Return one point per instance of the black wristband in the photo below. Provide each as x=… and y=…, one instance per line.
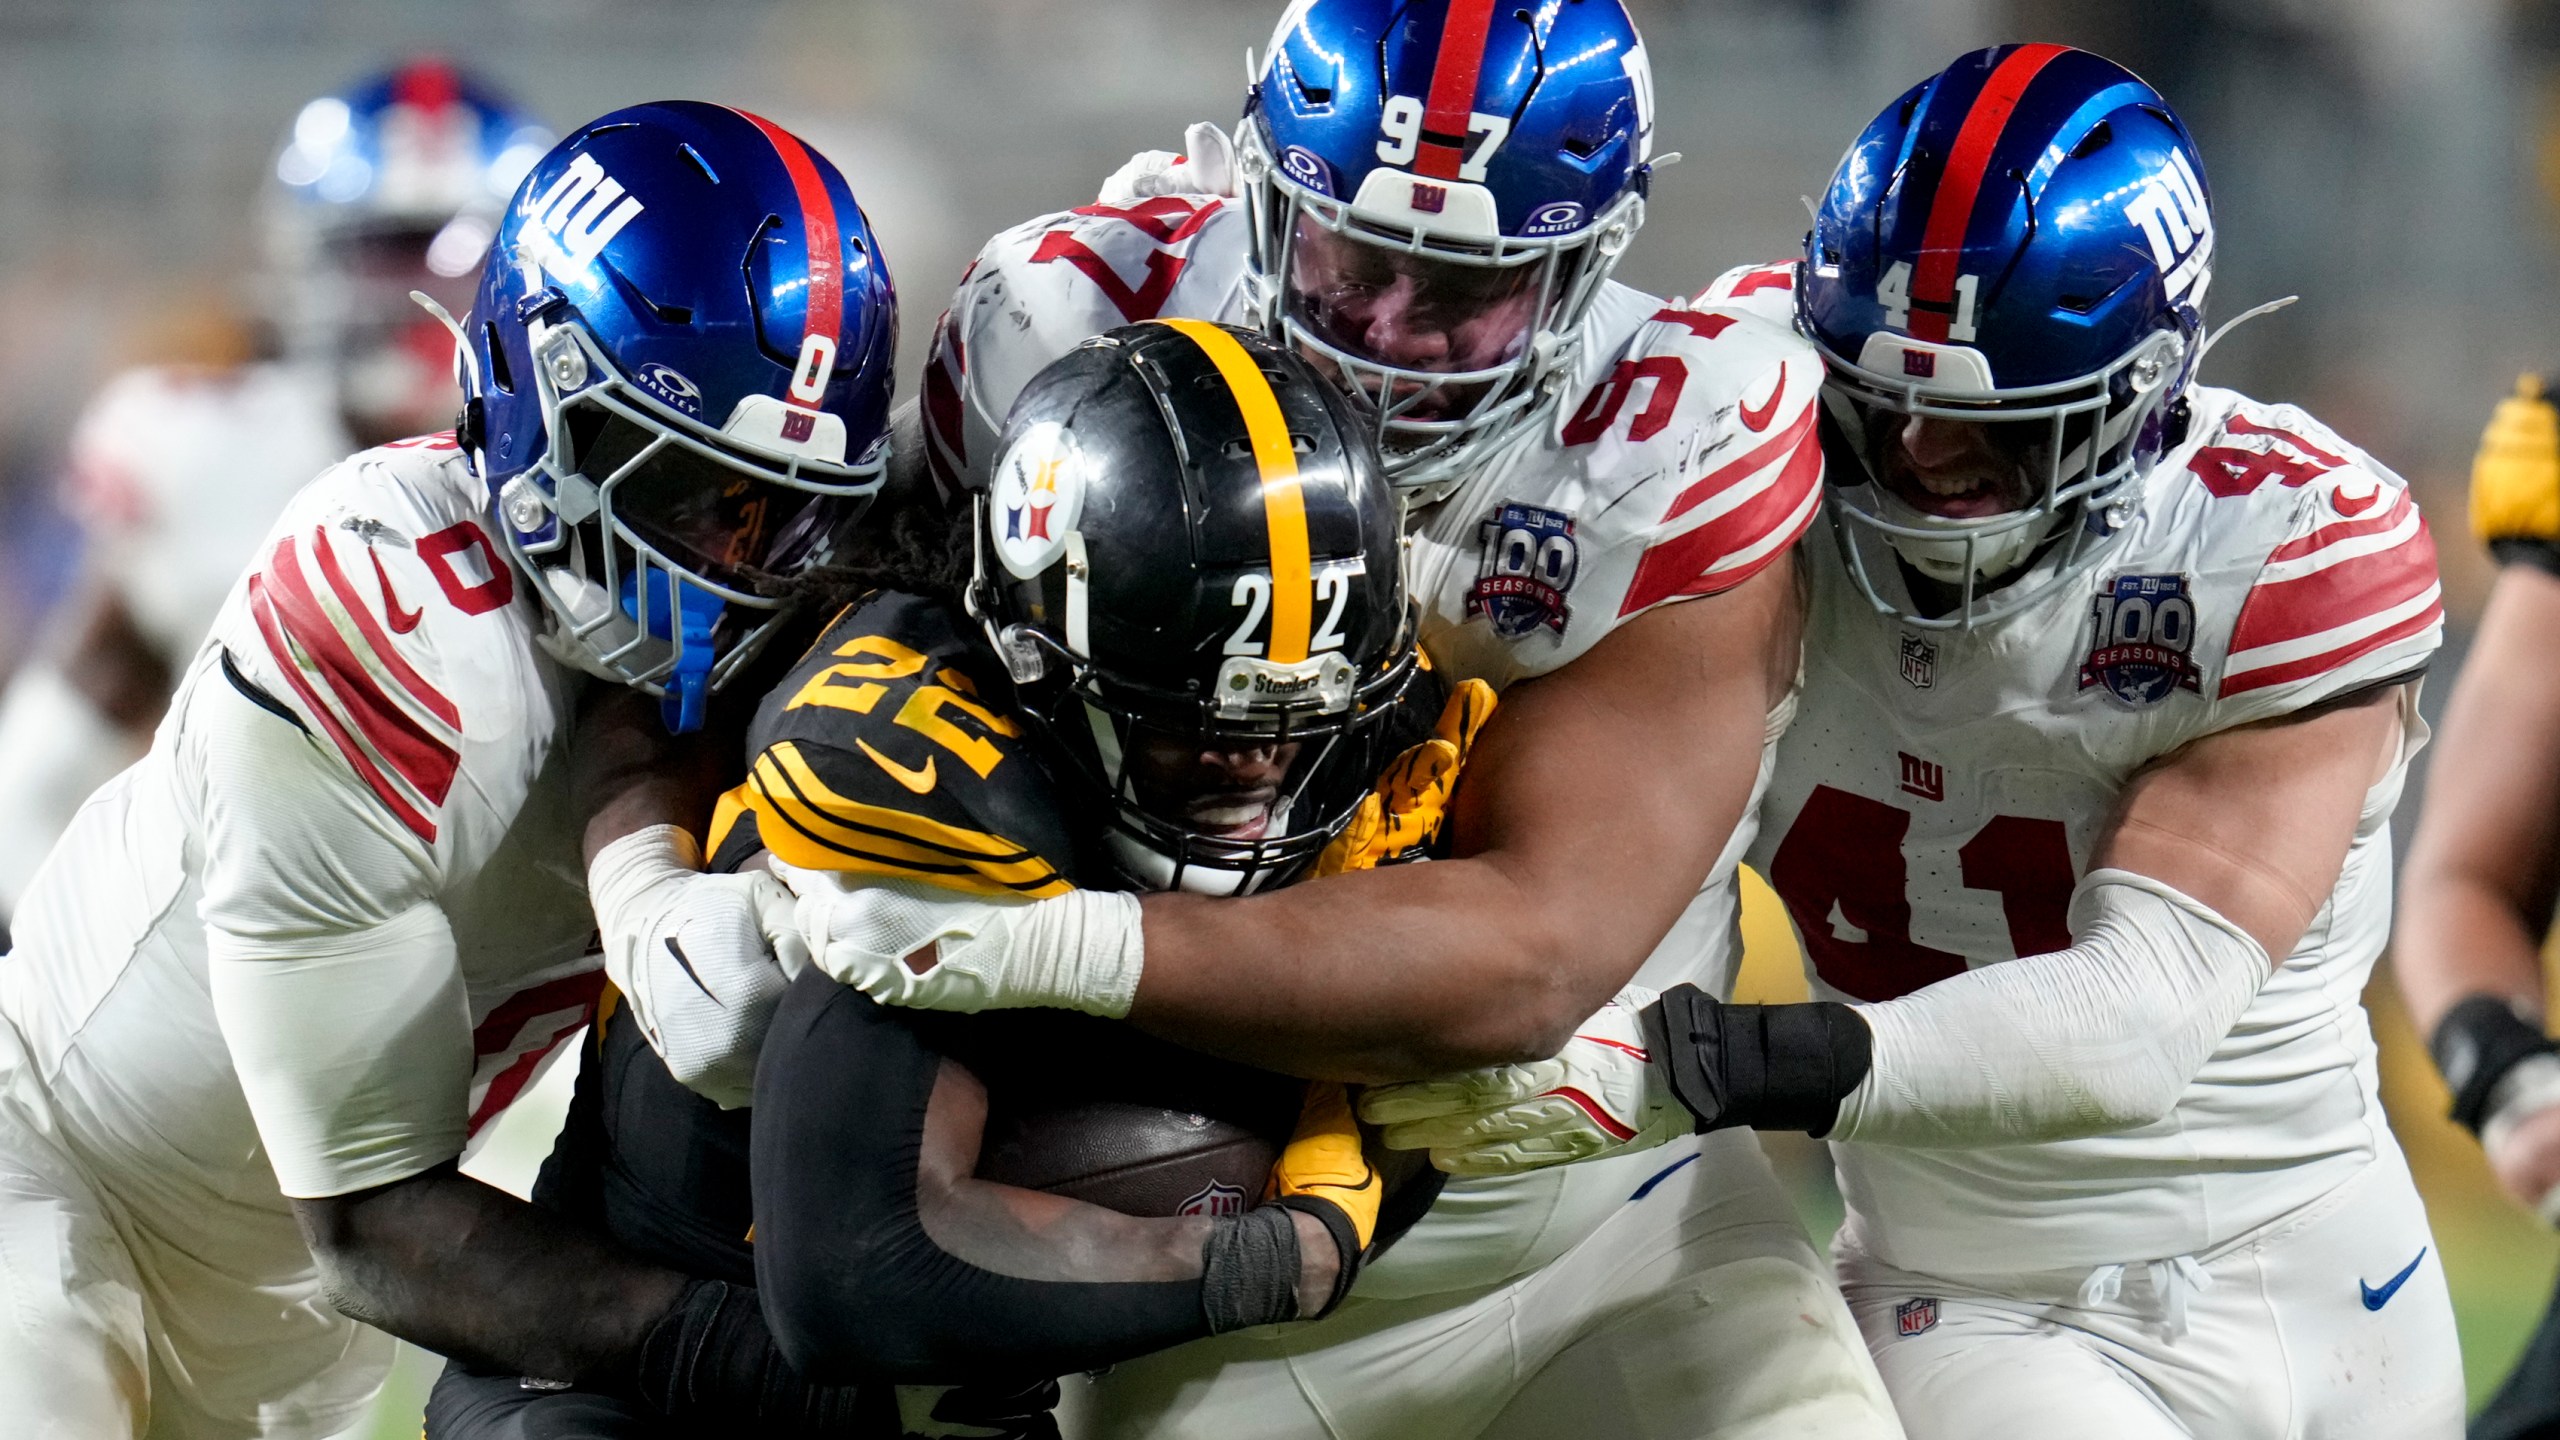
x=1249, y=1270
x=1346, y=1244
x=1770, y=1067
x=710, y=1358
x=2474, y=1046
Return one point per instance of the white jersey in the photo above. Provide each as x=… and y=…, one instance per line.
x=1941, y=792
x=360, y=775
x=1681, y=461
x=176, y=473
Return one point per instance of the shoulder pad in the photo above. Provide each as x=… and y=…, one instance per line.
x=1041, y=288
x=1704, y=430
x=358, y=591
x=891, y=749
x=1768, y=291
x=2515, y=477
x=2339, y=566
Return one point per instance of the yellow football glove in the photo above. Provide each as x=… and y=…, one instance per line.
x=2515, y=479
x=1324, y=1161
x=1406, y=808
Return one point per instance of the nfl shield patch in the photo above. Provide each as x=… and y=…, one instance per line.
x=1214, y=1199
x=1919, y=662
x=1917, y=1316
x=2140, y=630
x=1528, y=564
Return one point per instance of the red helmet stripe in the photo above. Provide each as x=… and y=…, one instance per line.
x=818, y=222
x=1453, y=87
x=1933, y=280
x=426, y=83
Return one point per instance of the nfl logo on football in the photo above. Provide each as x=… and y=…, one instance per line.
x=1916, y=1316
x=1919, y=662
x=1213, y=1200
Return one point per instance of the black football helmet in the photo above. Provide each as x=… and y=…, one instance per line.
x=1190, y=558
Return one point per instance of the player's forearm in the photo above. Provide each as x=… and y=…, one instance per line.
x=469, y=1271
x=1385, y=975
x=629, y=773
x=2460, y=935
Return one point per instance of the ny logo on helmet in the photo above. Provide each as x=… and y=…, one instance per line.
x=576, y=217
x=2173, y=217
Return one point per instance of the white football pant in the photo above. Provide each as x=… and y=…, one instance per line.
x=2328, y=1323
x=1696, y=1311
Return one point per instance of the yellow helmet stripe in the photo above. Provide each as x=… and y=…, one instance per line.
x=1284, y=509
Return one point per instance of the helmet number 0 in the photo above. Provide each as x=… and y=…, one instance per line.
x=817, y=362
x=1893, y=292
x=1401, y=124
x=1252, y=594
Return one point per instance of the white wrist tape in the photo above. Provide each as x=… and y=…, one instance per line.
x=2101, y=1037
x=2525, y=1091
x=1079, y=951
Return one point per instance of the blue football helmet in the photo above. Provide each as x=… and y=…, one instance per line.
x=679, y=371
x=1439, y=189
x=392, y=184
x=2019, y=245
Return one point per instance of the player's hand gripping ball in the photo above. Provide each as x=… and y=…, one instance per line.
x=1600, y=1095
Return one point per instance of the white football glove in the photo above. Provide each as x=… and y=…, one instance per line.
x=1077, y=951
x=1598, y=1096
x=1207, y=167
x=701, y=960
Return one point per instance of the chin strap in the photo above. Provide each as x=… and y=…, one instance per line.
x=697, y=612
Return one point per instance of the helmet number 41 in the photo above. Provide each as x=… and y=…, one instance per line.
x=1893, y=292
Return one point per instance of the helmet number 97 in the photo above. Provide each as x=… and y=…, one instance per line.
x=1252, y=594
x=1401, y=124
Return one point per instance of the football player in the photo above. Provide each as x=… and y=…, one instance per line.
x=278, y=971
x=2084, y=823
x=1601, y=494
x=2477, y=899
x=391, y=185
x=1100, y=725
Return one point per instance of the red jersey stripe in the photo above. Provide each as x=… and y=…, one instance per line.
x=2355, y=589
x=818, y=223
x=1454, y=72
x=2328, y=535
x=262, y=609
x=429, y=698
x=574, y=995
x=1715, y=481
x=1679, y=566
x=420, y=757
x=1933, y=279
x=2310, y=665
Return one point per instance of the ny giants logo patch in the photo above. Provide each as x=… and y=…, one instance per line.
x=2140, y=630
x=1916, y=1316
x=1528, y=564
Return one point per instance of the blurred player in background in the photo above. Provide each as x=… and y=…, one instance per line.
x=392, y=185
x=1602, y=491
x=277, y=972
x=2084, y=823
x=2484, y=868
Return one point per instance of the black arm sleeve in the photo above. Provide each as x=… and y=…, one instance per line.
x=853, y=1286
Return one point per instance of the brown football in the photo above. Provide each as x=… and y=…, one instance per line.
x=1136, y=1159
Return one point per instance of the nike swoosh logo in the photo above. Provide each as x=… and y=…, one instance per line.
x=1756, y=421
x=2352, y=506
x=2375, y=1297
x=678, y=951
x=918, y=782
x=402, y=622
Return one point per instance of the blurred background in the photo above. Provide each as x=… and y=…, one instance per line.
x=2396, y=163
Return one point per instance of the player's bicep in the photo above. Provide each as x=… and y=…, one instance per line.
x=2255, y=822
x=1636, y=762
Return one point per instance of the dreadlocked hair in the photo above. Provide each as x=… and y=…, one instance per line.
x=920, y=548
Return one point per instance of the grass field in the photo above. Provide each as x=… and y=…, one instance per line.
x=2499, y=1261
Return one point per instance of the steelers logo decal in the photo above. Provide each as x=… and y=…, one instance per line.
x=1038, y=494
